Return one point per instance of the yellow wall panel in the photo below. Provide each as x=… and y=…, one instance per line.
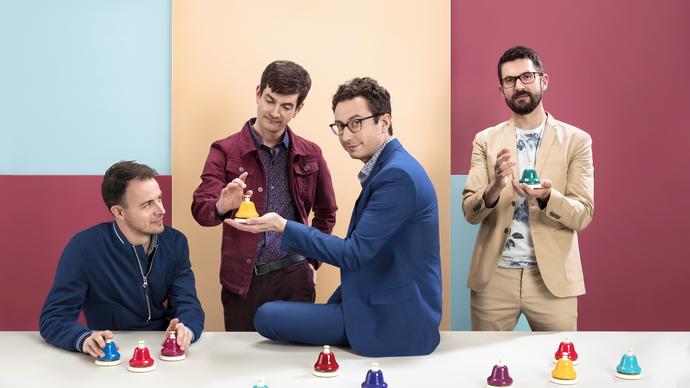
x=220, y=49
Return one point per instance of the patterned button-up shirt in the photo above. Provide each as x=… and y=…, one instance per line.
x=278, y=196
x=363, y=174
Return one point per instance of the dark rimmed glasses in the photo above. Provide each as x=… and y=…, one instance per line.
x=526, y=78
x=354, y=125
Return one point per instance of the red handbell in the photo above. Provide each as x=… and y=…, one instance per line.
x=326, y=365
x=171, y=350
x=566, y=347
x=141, y=360
x=326, y=361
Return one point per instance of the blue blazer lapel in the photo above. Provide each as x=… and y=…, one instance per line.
x=363, y=198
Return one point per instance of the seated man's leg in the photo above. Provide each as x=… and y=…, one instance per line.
x=313, y=324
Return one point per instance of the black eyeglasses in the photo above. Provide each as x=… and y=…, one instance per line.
x=526, y=78
x=353, y=125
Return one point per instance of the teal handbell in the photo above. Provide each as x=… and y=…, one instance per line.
x=530, y=177
x=628, y=367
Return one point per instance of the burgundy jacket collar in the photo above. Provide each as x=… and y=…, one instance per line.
x=246, y=143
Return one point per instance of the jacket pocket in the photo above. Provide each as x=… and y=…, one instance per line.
x=304, y=174
x=233, y=169
x=393, y=295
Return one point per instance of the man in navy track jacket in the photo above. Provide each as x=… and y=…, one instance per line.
x=132, y=273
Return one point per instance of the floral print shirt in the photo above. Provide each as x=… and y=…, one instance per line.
x=519, y=250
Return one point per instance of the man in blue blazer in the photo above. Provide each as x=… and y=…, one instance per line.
x=389, y=301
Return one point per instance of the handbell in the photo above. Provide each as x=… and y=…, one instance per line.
x=566, y=347
x=171, y=350
x=141, y=361
x=629, y=368
x=111, y=356
x=530, y=178
x=246, y=210
x=374, y=378
x=260, y=383
x=564, y=369
x=326, y=365
x=499, y=376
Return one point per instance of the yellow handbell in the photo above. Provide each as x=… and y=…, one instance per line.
x=246, y=210
x=564, y=369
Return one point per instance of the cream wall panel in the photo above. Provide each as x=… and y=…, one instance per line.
x=220, y=49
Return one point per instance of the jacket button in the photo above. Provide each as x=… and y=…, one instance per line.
x=305, y=168
x=505, y=231
x=241, y=169
x=240, y=292
x=260, y=189
x=248, y=261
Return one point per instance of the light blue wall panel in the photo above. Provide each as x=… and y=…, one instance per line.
x=84, y=83
x=463, y=236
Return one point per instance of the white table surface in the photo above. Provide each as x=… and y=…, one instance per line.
x=463, y=359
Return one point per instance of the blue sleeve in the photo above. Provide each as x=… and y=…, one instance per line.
x=58, y=322
x=390, y=206
x=182, y=299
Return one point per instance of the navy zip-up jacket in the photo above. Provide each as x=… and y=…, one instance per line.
x=100, y=272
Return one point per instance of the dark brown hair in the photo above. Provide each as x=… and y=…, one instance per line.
x=378, y=98
x=118, y=176
x=285, y=77
x=519, y=52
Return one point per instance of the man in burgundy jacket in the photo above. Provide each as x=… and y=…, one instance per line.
x=285, y=174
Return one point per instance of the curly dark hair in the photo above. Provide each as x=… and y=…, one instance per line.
x=117, y=178
x=378, y=98
x=519, y=52
x=285, y=77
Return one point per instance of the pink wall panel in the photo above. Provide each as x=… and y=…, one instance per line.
x=618, y=70
x=39, y=215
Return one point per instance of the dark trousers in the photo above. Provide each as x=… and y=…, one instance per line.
x=293, y=283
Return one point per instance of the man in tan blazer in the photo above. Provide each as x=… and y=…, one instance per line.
x=526, y=259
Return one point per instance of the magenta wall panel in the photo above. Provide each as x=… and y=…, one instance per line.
x=39, y=215
x=619, y=71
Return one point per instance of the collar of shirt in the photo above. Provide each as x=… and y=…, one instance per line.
x=152, y=246
x=285, y=141
x=369, y=165
x=537, y=130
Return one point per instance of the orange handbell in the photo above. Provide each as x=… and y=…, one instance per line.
x=564, y=372
x=246, y=210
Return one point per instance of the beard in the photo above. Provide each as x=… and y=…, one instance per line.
x=524, y=108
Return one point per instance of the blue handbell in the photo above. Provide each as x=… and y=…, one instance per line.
x=111, y=356
x=374, y=378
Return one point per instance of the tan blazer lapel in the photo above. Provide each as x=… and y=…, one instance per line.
x=546, y=144
x=510, y=142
